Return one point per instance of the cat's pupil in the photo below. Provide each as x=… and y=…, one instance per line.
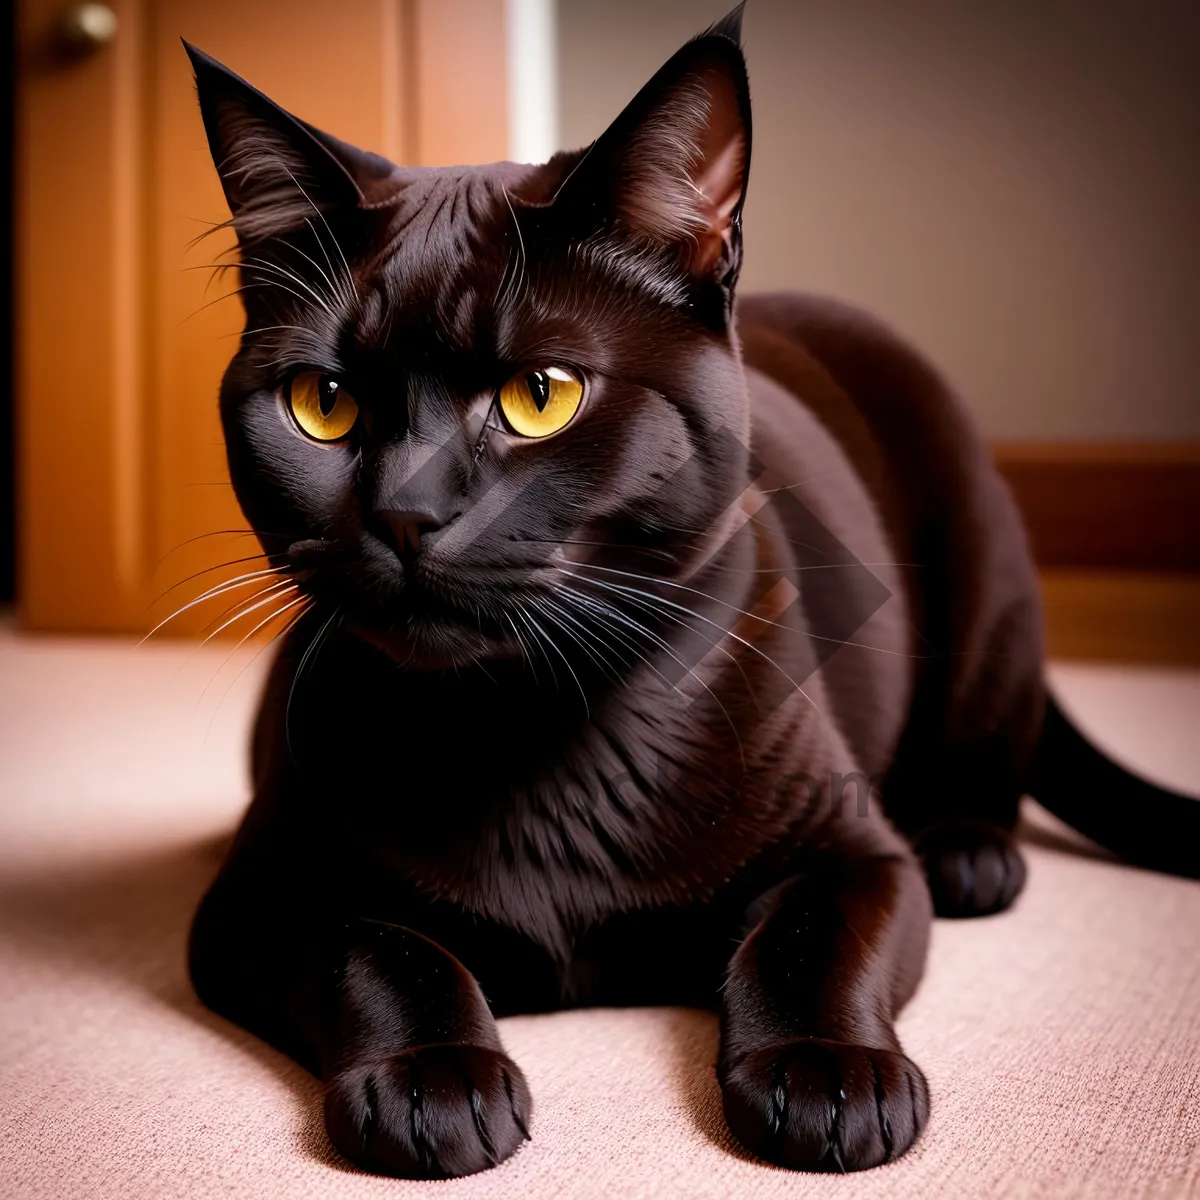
x=539, y=388
x=327, y=394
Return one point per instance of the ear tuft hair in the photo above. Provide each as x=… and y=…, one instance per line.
x=729, y=26
x=684, y=169
x=671, y=170
x=276, y=171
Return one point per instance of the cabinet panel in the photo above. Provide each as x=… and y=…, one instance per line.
x=78, y=291
x=340, y=75
x=122, y=333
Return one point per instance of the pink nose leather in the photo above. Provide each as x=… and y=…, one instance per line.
x=403, y=529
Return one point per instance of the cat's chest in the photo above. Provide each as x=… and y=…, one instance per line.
x=515, y=802
x=645, y=807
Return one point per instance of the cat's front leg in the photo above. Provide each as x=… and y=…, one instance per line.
x=418, y=1084
x=812, y=1074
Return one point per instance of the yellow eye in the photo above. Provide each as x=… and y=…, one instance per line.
x=321, y=406
x=539, y=403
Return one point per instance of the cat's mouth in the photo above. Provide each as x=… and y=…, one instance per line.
x=424, y=633
x=420, y=619
x=428, y=646
x=425, y=627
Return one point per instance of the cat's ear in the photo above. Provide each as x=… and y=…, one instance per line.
x=275, y=169
x=672, y=168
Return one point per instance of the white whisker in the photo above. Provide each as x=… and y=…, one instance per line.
x=211, y=593
x=612, y=612
x=742, y=612
x=271, y=616
x=253, y=658
x=259, y=264
x=309, y=653
x=266, y=596
x=554, y=645
x=637, y=592
x=328, y=230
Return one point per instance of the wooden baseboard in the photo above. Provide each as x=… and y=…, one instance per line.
x=1122, y=616
x=1115, y=530
x=1108, y=506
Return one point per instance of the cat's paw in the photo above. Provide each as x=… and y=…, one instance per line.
x=816, y=1105
x=432, y=1112
x=974, y=868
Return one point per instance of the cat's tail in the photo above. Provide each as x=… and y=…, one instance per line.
x=1142, y=823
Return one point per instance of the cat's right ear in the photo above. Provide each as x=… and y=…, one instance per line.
x=671, y=170
x=276, y=170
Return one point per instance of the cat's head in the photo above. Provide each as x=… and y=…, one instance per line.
x=457, y=386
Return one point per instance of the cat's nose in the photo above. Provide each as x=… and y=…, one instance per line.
x=403, y=529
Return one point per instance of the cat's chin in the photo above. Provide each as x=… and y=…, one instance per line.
x=440, y=647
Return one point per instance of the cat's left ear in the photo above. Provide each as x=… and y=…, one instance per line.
x=277, y=170
x=672, y=169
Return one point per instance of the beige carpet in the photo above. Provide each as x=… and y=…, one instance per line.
x=1061, y=1041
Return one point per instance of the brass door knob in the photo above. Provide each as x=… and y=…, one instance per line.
x=86, y=28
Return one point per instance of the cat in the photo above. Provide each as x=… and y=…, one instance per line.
x=655, y=649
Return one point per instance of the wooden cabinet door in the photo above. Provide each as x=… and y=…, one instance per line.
x=122, y=335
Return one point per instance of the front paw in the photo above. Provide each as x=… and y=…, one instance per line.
x=974, y=868
x=432, y=1112
x=816, y=1105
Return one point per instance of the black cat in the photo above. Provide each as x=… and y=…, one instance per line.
x=638, y=627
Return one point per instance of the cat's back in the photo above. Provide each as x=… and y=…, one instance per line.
x=906, y=433
x=823, y=374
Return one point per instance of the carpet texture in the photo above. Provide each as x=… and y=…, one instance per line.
x=1061, y=1040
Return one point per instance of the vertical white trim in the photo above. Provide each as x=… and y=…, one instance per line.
x=532, y=80
x=391, y=142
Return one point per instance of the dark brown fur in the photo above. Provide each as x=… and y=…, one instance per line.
x=445, y=811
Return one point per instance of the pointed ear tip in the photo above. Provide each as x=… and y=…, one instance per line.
x=210, y=72
x=199, y=60
x=730, y=25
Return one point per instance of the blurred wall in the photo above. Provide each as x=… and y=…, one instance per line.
x=1016, y=186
